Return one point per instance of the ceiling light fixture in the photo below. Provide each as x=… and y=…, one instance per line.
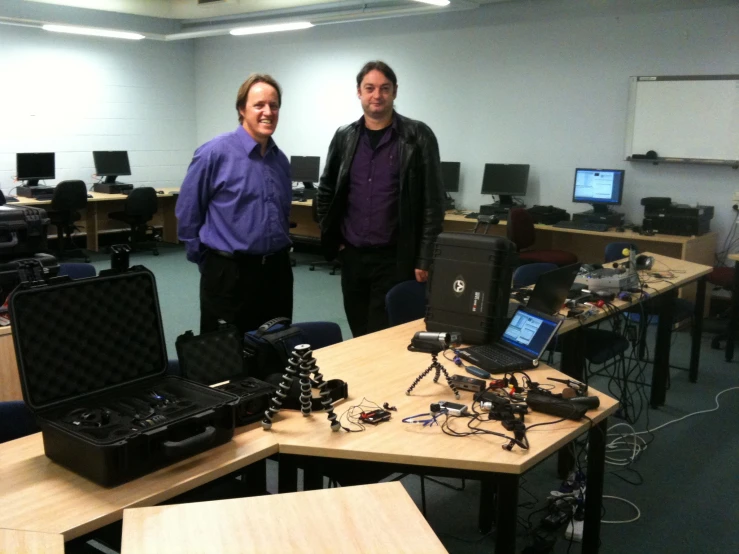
x=435, y=2
x=92, y=32
x=259, y=29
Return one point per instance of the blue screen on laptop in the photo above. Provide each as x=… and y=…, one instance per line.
x=529, y=332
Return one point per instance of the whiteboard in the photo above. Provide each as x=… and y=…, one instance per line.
x=684, y=118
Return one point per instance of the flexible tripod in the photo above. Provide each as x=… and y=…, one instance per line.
x=301, y=363
x=435, y=365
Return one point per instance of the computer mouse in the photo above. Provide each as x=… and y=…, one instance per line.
x=89, y=195
x=160, y=192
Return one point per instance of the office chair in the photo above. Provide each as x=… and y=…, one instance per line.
x=522, y=233
x=69, y=197
x=526, y=275
x=320, y=333
x=405, y=302
x=77, y=271
x=335, y=264
x=16, y=421
x=138, y=209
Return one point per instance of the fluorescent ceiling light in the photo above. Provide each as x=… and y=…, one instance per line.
x=92, y=32
x=435, y=2
x=294, y=26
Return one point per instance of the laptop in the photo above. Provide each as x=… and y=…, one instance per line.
x=551, y=290
x=522, y=344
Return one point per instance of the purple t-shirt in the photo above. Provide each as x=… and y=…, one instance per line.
x=371, y=217
x=235, y=200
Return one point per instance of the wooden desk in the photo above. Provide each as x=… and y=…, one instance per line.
x=29, y=542
x=378, y=519
x=302, y=215
x=96, y=221
x=589, y=246
x=40, y=495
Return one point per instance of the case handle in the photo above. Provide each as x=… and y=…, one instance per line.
x=12, y=242
x=271, y=323
x=178, y=448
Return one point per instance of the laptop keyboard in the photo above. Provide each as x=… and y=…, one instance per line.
x=492, y=357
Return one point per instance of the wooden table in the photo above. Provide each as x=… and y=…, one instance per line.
x=378, y=519
x=40, y=495
x=96, y=221
x=13, y=541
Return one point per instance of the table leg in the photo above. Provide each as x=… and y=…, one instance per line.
x=507, y=514
x=287, y=474
x=169, y=220
x=91, y=226
x=594, y=496
x=487, y=511
x=255, y=478
x=734, y=319
x=695, y=346
x=573, y=364
x=661, y=368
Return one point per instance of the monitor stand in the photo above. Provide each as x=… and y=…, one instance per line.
x=500, y=208
x=600, y=214
x=33, y=190
x=449, y=202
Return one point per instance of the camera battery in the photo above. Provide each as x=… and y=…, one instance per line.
x=468, y=383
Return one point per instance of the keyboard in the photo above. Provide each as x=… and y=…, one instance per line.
x=472, y=215
x=582, y=226
x=493, y=358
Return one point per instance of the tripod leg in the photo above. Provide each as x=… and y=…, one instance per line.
x=326, y=402
x=448, y=380
x=275, y=403
x=437, y=375
x=418, y=379
x=303, y=354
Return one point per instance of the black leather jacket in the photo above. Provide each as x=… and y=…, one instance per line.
x=420, y=202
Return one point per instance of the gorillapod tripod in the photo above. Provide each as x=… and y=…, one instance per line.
x=302, y=363
x=435, y=366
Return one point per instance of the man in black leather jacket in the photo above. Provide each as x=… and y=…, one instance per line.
x=380, y=200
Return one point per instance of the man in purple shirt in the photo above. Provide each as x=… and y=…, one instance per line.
x=233, y=216
x=380, y=200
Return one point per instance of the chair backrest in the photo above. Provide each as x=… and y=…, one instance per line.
x=142, y=202
x=527, y=275
x=320, y=333
x=69, y=196
x=16, y=421
x=405, y=302
x=520, y=228
x=77, y=270
x=614, y=250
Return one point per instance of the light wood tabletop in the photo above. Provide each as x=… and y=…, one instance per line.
x=379, y=518
x=38, y=494
x=379, y=368
x=95, y=197
x=13, y=541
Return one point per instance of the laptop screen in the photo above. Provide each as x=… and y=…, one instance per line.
x=529, y=332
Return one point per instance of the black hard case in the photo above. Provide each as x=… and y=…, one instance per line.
x=218, y=356
x=84, y=346
x=43, y=266
x=22, y=231
x=470, y=285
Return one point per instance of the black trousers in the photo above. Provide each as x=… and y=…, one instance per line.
x=245, y=290
x=367, y=274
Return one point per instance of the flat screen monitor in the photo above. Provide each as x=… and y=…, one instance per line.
x=111, y=163
x=304, y=168
x=33, y=166
x=506, y=181
x=599, y=187
x=450, y=176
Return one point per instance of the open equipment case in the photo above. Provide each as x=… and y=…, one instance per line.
x=92, y=362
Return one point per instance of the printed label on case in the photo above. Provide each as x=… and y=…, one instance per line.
x=478, y=301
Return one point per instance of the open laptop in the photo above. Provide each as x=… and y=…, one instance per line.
x=522, y=344
x=551, y=289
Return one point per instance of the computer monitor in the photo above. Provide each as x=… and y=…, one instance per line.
x=450, y=176
x=600, y=187
x=31, y=167
x=505, y=181
x=304, y=168
x=111, y=163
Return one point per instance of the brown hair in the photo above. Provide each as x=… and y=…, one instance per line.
x=253, y=79
x=382, y=67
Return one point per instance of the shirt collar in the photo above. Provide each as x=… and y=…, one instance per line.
x=250, y=144
x=393, y=124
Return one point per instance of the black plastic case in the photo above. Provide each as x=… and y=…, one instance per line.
x=22, y=231
x=218, y=356
x=36, y=266
x=470, y=285
x=92, y=358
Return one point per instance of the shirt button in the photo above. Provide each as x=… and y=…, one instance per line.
x=370, y=180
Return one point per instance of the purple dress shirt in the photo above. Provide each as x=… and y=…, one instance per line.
x=235, y=200
x=371, y=217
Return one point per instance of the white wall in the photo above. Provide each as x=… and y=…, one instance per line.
x=72, y=95
x=507, y=83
